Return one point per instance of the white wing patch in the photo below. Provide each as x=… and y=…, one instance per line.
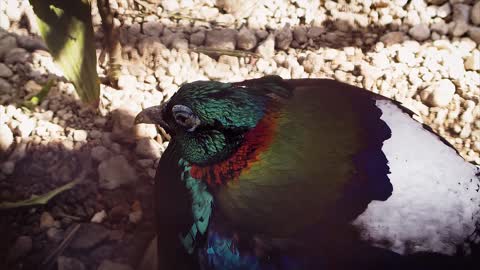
x=435, y=203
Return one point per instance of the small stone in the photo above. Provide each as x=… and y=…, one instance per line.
x=7, y=167
x=454, y=65
x=459, y=28
x=99, y=217
x=4, y=22
x=118, y=212
x=468, y=114
x=109, y=265
x=13, y=11
x=223, y=39
x=439, y=27
x=153, y=29
x=127, y=82
x=6, y=138
x=32, y=87
x=197, y=38
x=261, y=65
x=5, y=86
x=46, y=220
x=246, y=39
x=476, y=146
x=67, y=263
x=239, y=9
x=54, y=234
x=380, y=60
x=180, y=44
x=386, y=19
x=123, y=122
x=466, y=131
x=16, y=55
x=231, y=61
x=439, y=94
x=170, y=5
x=26, y=127
x=300, y=35
x=315, y=32
x=371, y=72
x=461, y=12
x=313, y=63
x=148, y=148
x=444, y=10
x=116, y=172
x=151, y=172
x=7, y=43
x=266, y=48
x=100, y=153
x=393, y=38
x=31, y=43
x=80, y=135
x=23, y=245
x=145, y=131
x=420, y=32
x=283, y=37
x=261, y=34
x=475, y=13
x=405, y=55
x=5, y=71
x=362, y=20
x=135, y=217
x=145, y=163
x=474, y=33
x=89, y=235
x=99, y=122
x=19, y=152
x=473, y=61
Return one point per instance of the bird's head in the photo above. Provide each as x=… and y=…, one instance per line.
x=209, y=119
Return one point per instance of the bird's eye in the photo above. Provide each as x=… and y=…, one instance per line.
x=184, y=116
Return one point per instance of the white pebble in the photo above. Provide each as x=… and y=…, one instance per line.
x=99, y=217
x=473, y=61
x=439, y=94
x=6, y=138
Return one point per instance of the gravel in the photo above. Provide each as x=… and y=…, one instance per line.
x=423, y=53
x=6, y=138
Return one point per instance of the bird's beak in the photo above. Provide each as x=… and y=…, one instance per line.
x=145, y=116
x=152, y=115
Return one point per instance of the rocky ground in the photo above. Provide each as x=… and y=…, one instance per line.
x=424, y=53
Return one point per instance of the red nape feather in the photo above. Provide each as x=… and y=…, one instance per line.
x=255, y=142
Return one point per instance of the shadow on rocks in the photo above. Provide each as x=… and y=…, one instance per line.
x=30, y=234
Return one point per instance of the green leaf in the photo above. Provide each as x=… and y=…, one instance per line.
x=66, y=27
x=38, y=98
x=37, y=200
